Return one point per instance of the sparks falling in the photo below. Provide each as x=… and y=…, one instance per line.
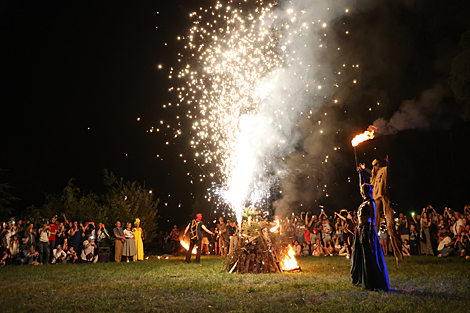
x=247, y=76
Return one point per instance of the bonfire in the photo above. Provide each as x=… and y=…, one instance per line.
x=259, y=248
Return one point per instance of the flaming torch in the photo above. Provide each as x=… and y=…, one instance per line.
x=186, y=246
x=367, y=135
x=273, y=229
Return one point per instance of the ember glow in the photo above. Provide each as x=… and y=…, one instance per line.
x=367, y=135
x=289, y=262
x=248, y=75
x=273, y=229
x=186, y=246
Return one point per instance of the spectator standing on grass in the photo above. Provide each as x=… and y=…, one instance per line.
x=7, y=233
x=53, y=230
x=44, y=235
x=29, y=236
x=327, y=229
x=175, y=240
x=101, y=234
x=425, y=235
x=118, y=242
x=129, y=249
x=3, y=254
x=139, y=240
x=457, y=227
x=224, y=237
x=404, y=228
x=60, y=237
x=414, y=240
x=75, y=236
x=383, y=236
x=213, y=241
x=14, y=249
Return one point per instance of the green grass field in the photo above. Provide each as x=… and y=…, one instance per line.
x=421, y=284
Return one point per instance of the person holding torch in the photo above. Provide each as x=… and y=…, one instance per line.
x=195, y=237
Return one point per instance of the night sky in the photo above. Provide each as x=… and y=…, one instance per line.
x=78, y=75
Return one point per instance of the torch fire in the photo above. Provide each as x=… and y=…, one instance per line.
x=367, y=135
x=289, y=263
x=273, y=229
x=186, y=246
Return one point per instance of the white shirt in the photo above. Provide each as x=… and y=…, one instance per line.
x=56, y=254
x=86, y=251
x=44, y=235
x=444, y=242
x=129, y=234
x=456, y=226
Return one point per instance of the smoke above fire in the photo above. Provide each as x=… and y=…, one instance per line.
x=414, y=114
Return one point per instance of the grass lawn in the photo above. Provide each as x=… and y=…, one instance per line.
x=421, y=284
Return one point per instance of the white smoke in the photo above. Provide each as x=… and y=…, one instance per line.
x=414, y=114
x=289, y=94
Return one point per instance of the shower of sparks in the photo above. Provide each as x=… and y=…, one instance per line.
x=245, y=67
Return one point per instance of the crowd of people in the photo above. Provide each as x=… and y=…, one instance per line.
x=61, y=241
x=427, y=233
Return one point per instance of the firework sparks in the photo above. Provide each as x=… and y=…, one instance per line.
x=246, y=71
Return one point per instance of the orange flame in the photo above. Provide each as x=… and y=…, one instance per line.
x=273, y=229
x=289, y=262
x=367, y=135
x=186, y=246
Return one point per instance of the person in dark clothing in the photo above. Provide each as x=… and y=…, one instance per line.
x=368, y=266
x=175, y=240
x=195, y=237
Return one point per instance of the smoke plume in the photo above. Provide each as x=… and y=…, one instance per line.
x=414, y=114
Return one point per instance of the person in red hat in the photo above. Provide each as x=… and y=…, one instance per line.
x=195, y=237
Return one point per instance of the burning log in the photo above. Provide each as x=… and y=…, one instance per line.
x=258, y=250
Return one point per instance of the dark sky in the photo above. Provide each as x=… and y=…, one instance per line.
x=70, y=66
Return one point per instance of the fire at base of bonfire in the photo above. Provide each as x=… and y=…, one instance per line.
x=289, y=263
x=260, y=249
x=186, y=246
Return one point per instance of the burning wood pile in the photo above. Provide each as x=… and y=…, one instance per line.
x=259, y=248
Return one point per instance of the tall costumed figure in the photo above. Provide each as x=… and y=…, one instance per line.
x=379, y=179
x=368, y=266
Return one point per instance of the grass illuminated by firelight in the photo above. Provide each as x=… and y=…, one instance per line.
x=421, y=284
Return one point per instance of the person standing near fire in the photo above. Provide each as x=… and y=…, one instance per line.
x=368, y=266
x=379, y=181
x=195, y=237
x=175, y=239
